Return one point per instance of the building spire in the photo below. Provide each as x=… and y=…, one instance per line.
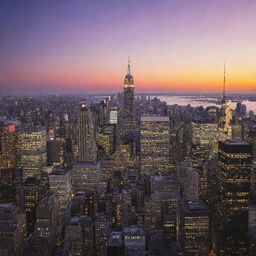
x=224, y=84
x=129, y=66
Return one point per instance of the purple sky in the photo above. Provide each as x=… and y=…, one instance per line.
x=82, y=46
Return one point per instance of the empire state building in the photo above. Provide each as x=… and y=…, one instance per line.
x=128, y=116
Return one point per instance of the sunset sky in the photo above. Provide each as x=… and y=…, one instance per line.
x=82, y=46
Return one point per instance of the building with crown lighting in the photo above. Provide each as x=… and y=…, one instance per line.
x=128, y=113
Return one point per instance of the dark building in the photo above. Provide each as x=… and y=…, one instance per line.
x=232, y=198
x=32, y=196
x=53, y=152
x=194, y=228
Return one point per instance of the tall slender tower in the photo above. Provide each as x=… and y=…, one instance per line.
x=128, y=117
x=86, y=140
x=225, y=116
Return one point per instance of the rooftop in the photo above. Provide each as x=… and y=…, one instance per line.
x=59, y=172
x=154, y=119
x=194, y=208
x=235, y=142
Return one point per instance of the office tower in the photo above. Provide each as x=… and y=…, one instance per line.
x=204, y=141
x=74, y=235
x=134, y=241
x=47, y=219
x=102, y=231
x=240, y=109
x=86, y=139
x=106, y=141
x=194, y=228
x=128, y=114
x=7, y=186
x=252, y=139
x=104, y=112
x=32, y=196
x=115, y=245
x=191, y=184
x=8, y=162
x=154, y=144
x=113, y=116
x=85, y=177
x=88, y=234
x=60, y=184
x=8, y=143
x=164, y=199
x=54, y=152
x=31, y=149
x=225, y=115
x=12, y=230
x=232, y=198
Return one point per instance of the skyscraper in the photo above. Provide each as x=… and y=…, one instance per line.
x=47, y=219
x=86, y=139
x=154, y=144
x=128, y=115
x=204, y=141
x=8, y=141
x=232, y=192
x=60, y=184
x=194, y=228
x=8, y=160
x=12, y=230
x=31, y=150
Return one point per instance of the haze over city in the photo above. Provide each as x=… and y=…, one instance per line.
x=83, y=46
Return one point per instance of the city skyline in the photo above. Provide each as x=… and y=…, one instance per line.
x=63, y=47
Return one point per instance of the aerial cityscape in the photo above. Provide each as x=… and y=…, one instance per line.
x=95, y=162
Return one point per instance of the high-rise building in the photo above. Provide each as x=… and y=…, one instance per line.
x=8, y=144
x=60, y=184
x=32, y=196
x=102, y=231
x=85, y=177
x=86, y=139
x=53, y=152
x=47, y=219
x=134, y=240
x=128, y=114
x=8, y=162
x=154, y=144
x=115, y=246
x=113, y=115
x=32, y=153
x=204, y=141
x=232, y=198
x=191, y=184
x=164, y=200
x=12, y=230
x=88, y=234
x=194, y=228
x=74, y=235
